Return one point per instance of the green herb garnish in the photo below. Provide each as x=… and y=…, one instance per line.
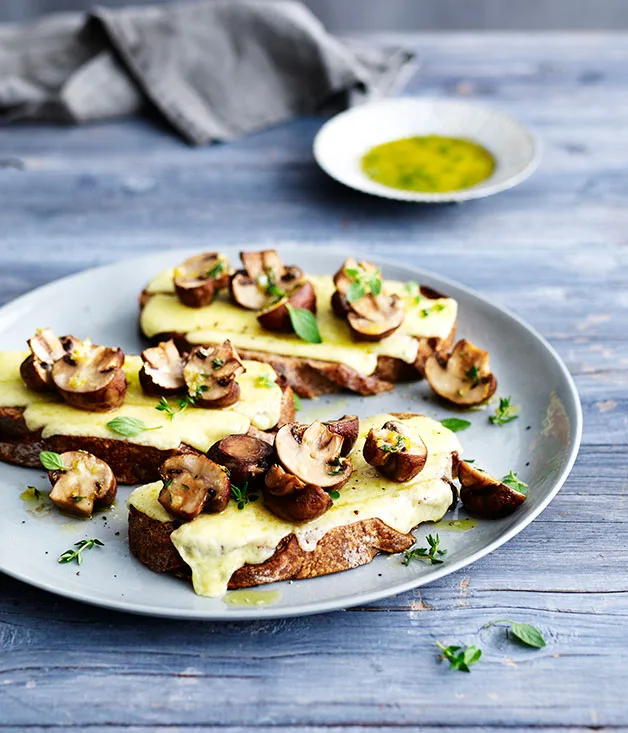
x=413, y=290
x=297, y=402
x=423, y=553
x=216, y=270
x=504, y=413
x=52, y=461
x=362, y=283
x=163, y=406
x=334, y=495
x=70, y=555
x=242, y=496
x=400, y=444
x=455, y=424
x=473, y=374
x=459, y=658
x=217, y=363
x=129, y=426
x=265, y=381
x=168, y=483
x=525, y=633
x=511, y=479
x=337, y=466
x=304, y=324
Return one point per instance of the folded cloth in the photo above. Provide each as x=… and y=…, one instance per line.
x=215, y=69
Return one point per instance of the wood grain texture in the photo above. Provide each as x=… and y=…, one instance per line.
x=555, y=250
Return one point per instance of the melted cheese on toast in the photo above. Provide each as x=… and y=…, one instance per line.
x=164, y=313
x=259, y=405
x=216, y=545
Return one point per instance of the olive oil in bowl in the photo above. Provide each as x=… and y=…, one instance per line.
x=429, y=164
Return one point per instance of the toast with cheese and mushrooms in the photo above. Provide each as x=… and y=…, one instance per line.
x=132, y=412
x=325, y=498
x=368, y=333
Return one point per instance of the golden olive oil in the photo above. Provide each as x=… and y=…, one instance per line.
x=429, y=164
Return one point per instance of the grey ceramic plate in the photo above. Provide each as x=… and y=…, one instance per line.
x=541, y=446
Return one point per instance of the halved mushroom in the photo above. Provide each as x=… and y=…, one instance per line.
x=87, y=483
x=90, y=377
x=353, y=271
x=314, y=455
x=162, y=371
x=374, y=317
x=485, y=496
x=464, y=378
x=245, y=457
x=394, y=452
x=264, y=280
x=197, y=280
x=210, y=374
x=276, y=317
x=193, y=484
x=302, y=506
x=36, y=369
x=348, y=427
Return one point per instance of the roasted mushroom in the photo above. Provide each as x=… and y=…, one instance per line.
x=264, y=280
x=370, y=314
x=162, y=371
x=87, y=483
x=245, y=457
x=347, y=427
x=286, y=496
x=197, y=280
x=193, y=484
x=485, y=496
x=394, y=453
x=313, y=455
x=90, y=377
x=374, y=317
x=210, y=375
x=276, y=316
x=36, y=369
x=464, y=377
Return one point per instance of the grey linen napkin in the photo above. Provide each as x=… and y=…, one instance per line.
x=215, y=70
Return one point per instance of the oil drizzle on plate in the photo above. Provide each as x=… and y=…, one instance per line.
x=455, y=525
x=248, y=597
x=36, y=502
x=430, y=164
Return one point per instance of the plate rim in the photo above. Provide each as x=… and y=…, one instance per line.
x=420, y=197
x=270, y=612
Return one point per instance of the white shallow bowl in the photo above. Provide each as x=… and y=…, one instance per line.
x=341, y=143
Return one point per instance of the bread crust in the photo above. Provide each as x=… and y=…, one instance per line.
x=342, y=548
x=131, y=463
x=314, y=377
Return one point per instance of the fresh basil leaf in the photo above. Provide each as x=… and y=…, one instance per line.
x=128, y=426
x=455, y=424
x=52, y=461
x=375, y=284
x=304, y=324
x=527, y=634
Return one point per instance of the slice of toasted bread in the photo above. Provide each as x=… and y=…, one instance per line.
x=309, y=372
x=131, y=462
x=328, y=545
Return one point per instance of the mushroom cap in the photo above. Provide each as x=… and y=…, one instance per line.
x=246, y=458
x=198, y=278
x=90, y=377
x=36, y=369
x=210, y=374
x=348, y=427
x=464, y=378
x=313, y=455
x=485, y=496
x=343, y=281
x=303, y=504
x=374, y=317
x=394, y=452
x=192, y=484
x=162, y=370
x=87, y=484
x=276, y=316
x=264, y=280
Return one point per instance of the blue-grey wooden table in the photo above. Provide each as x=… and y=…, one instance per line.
x=555, y=250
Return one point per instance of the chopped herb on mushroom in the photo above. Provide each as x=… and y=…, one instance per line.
x=81, y=483
x=193, y=484
x=463, y=378
x=207, y=385
x=394, y=453
x=199, y=278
